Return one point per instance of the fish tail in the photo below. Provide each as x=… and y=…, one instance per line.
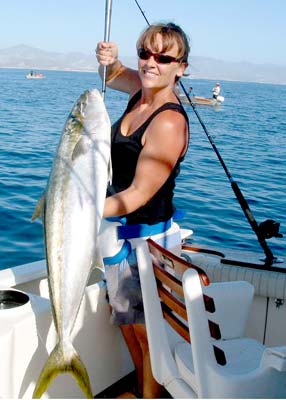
x=57, y=364
x=80, y=374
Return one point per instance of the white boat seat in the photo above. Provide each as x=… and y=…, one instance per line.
x=220, y=362
x=245, y=373
x=168, y=268
x=184, y=359
x=240, y=359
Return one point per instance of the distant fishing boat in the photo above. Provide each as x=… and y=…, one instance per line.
x=35, y=75
x=202, y=101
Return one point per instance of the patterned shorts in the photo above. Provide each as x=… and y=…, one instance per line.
x=124, y=289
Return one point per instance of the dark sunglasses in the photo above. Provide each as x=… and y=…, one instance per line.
x=159, y=58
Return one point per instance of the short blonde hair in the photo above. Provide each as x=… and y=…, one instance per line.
x=171, y=34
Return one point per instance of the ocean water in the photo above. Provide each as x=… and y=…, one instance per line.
x=249, y=131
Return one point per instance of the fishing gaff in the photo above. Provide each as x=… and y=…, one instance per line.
x=108, y=8
x=266, y=229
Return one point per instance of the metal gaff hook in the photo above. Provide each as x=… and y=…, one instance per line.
x=108, y=8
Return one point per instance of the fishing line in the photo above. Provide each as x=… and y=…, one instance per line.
x=266, y=229
x=142, y=12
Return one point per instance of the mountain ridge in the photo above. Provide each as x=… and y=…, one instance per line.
x=201, y=67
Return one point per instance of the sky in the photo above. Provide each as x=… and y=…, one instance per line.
x=230, y=30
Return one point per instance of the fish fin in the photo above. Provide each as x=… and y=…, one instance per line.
x=80, y=374
x=97, y=268
x=40, y=208
x=82, y=147
x=110, y=172
x=97, y=275
x=56, y=364
x=98, y=258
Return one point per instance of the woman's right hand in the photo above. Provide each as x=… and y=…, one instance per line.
x=106, y=53
x=118, y=76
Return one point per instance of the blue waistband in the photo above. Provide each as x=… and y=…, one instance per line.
x=142, y=230
x=126, y=232
x=121, y=255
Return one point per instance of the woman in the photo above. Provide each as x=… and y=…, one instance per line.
x=148, y=143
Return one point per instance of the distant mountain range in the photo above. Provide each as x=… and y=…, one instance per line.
x=27, y=57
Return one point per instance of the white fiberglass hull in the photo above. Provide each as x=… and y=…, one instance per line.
x=27, y=334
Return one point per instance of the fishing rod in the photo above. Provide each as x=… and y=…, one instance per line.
x=108, y=8
x=142, y=12
x=265, y=230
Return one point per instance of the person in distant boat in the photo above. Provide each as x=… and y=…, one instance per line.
x=216, y=90
x=190, y=89
x=149, y=142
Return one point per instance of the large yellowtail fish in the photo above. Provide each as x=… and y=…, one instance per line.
x=72, y=209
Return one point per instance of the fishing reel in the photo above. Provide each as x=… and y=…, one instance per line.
x=269, y=229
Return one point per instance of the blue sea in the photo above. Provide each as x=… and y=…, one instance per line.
x=249, y=131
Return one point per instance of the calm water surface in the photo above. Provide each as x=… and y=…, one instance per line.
x=249, y=131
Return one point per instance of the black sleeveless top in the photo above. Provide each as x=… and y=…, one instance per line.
x=125, y=151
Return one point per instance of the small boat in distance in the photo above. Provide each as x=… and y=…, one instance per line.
x=202, y=101
x=35, y=75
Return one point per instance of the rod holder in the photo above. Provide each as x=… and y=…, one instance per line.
x=12, y=298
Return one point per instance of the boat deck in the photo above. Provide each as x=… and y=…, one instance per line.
x=125, y=389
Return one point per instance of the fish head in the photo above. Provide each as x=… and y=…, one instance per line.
x=95, y=116
x=89, y=123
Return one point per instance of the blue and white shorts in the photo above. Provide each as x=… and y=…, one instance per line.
x=123, y=281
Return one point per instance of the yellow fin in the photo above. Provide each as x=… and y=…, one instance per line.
x=57, y=364
x=40, y=208
x=82, y=147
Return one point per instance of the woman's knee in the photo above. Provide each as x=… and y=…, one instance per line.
x=141, y=335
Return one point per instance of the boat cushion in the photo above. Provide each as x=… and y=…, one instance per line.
x=266, y=283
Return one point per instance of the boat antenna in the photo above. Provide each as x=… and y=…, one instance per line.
x=265, y=230
x=108, y=8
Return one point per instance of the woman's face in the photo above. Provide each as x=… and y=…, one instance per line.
x=156, y=75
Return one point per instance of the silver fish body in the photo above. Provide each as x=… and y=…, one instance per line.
x=73, y=208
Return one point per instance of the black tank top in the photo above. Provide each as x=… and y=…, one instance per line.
x=125, y=151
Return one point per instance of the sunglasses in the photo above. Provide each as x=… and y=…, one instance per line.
x=159, y=58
